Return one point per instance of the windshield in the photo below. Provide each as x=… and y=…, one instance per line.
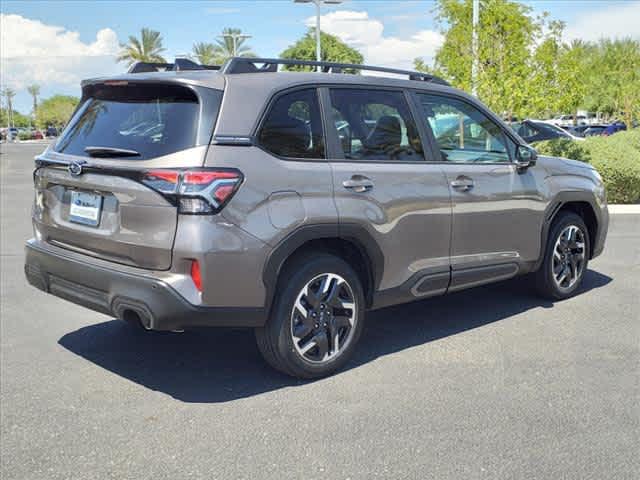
x=152, y=120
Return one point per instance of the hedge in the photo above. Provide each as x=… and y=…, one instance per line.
x=617, y=159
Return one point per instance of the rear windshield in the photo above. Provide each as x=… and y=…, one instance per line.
x=152, y=120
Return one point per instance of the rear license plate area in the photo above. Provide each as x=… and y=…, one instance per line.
x=85, y=208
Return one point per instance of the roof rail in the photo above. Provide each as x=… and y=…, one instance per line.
x=179, y=65
x=256, y=65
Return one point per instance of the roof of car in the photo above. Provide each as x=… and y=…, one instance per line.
x=217, y=80
x=268, y=70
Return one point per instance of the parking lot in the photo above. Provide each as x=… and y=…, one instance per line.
x=488, y=383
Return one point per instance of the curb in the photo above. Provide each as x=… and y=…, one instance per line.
x=624, y=209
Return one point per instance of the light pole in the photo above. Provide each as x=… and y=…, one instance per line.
x=234, y=37
x=318, y=4
x=474, y=47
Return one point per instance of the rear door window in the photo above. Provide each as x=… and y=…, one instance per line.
x=293, y=126
x=152, y=120
x=375, y=125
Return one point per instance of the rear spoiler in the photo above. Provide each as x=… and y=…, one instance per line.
x=179, y=65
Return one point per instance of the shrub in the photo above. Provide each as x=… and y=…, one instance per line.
x=617, y=159
x=564, y=147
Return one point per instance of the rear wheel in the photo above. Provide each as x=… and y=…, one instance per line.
x=566, y=257
x=317, y=317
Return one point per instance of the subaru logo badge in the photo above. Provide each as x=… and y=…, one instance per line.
x=75, y=168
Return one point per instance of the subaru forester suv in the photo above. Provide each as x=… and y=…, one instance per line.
x=181, y=195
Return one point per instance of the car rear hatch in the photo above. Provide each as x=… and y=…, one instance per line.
x=91, y=193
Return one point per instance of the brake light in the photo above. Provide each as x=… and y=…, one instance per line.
x=165, y=181
x=196, y=276
x=202, y=191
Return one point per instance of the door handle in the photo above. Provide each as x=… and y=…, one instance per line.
x=462, y=183
x=358, y=184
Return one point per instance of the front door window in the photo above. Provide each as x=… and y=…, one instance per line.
x=462, y=132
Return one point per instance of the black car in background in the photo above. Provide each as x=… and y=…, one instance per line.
x=536, y=131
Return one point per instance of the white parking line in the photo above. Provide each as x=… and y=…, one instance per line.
x=624, y=209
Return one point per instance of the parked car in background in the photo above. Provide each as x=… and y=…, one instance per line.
x=577, y=131
x=594, y=130
x=536, y=131
x=37, y=135
x=614, y=127
x=581, y=119
x=52, y=131
x=567, y=120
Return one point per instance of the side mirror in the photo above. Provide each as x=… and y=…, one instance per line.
x=526, y=157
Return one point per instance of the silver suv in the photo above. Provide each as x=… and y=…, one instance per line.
x=295, y=202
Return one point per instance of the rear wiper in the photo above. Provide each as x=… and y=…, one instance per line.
x=111, y=152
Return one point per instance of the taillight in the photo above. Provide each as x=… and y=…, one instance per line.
x=199, y=191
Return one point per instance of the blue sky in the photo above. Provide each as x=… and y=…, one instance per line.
x=388, y=32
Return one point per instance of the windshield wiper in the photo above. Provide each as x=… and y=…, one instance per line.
x=111, y=152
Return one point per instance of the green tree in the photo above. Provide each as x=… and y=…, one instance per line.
x=34, y=91
x=9, y=94
x=505, y=37
x=146, y=49
x=613, y=84
x=571, y=75
x=544, y=88
x=19, y=120
x=56, y=110
x=232, y=45
x=421, y=66
x=207, y=53
x=332, y=50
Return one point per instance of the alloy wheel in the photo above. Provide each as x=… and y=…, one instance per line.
x=323, y=318
x=568, y=257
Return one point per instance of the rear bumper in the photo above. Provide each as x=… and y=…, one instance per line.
x=119, y=293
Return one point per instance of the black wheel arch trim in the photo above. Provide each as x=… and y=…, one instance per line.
x=555, y=205
x=353, y=233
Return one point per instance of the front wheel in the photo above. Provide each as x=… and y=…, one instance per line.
x=566, y=257
x=317, y=317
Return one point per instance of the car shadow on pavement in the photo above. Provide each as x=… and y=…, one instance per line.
x=220, y=365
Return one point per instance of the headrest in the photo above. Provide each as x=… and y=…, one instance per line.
x=387, y=132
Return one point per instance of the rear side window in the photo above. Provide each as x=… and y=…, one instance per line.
x=527, y=131
x=375, y=125
x=153, y=120
x=293, y=126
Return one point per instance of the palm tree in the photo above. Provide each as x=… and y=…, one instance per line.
x=232, y=44
x=9, y=93
x=207, y=53
x=34, y=91
x=146, y=49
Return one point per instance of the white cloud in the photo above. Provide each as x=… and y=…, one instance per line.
x=34, y=52
x=358, y=30
x=221, y=10
x=613, y=20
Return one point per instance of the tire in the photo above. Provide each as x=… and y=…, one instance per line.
x=318, y=297
x=565, y=258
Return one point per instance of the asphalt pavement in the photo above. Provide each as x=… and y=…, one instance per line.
x=489, y=383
